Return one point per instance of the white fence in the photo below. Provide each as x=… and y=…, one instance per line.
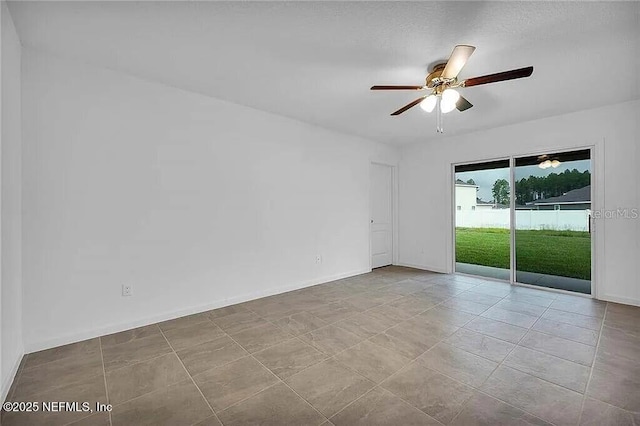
x=557, y=220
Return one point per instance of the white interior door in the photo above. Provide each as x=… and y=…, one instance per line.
x=381, y=215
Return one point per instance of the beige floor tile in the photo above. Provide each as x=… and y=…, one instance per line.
x=97, y=419
x=184, y=321
x=275, y=406
x=550, y=368
x=449, y=316
x=289, y=358
x=134, y=351
x=333, y=312
x=129, y=335
x=557, y=346
x=534, y=292
x=364, y=325
x=596, y=413
x=493, y=288
x=227, y=310
x=572, y=318
x=458, y=364
x=510, y=317
x=233, y=382
x=567, y=331
x=90, y=389
x=179, y=404
x=410, y=339
x=389, y=313
x=211, y=354
x=521, y=307
x=329, y=386
x=63, y=372
x=381, y=408
x=261, y=337
x=497, y=329
x=412, y=305
x=372, y=361
x=465, y=306
x=367, y=300
x=139, y=379
x=238, y=322
x=473, y=296
x=301, y=323
x=331, y=340
x=532, y=299
x=482, y=410
x=85, y=347
x=440, y=397
x=209, y=421
x=621, y=391
x=620, y=342
x=580, y=305
x=480, y=344
x=192, y=335
x=611, y=361
x=550, y=402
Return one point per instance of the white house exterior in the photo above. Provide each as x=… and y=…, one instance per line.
x=467, y=198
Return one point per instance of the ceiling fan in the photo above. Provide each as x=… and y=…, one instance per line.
x=443, y=80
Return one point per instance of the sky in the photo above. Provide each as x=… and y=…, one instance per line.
x=486, y=178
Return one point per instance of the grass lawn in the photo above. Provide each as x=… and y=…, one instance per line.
x=563, y=253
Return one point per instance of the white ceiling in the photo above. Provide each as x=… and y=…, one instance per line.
x=316, y=61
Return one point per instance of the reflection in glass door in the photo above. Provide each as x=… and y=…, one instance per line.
x=482, y=219
x=552, y=216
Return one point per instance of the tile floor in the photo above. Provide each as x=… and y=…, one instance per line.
x=393, y=347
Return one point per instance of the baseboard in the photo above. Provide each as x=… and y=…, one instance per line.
x=620, y=299
x=6, y=385
x=115, y=328
x=422, y=267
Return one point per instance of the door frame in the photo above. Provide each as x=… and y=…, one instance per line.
x=394, y=211
x=596, y=155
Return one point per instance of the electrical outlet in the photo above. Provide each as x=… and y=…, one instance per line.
x=318, y=259
x=127, y=290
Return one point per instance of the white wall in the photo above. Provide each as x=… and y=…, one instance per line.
x=425, y=237
x=196, y=202
x=11, y=248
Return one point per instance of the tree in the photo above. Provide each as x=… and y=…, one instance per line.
x=501, y=191
x=471, y=182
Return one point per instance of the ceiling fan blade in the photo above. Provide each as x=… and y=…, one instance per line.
x=410, y=105
x=397, y=87
x=463, y=104
x=501, y=76
x=457, y=60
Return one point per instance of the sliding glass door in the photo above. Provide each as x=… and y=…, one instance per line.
x=552, y=211
x=482, y=219
x=526, y=220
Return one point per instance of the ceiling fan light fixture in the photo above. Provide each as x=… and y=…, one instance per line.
x=545, y=164
x=555, y=163
x=449, y=99
x=428, y=103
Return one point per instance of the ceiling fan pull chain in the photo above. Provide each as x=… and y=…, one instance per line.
x=439, y=115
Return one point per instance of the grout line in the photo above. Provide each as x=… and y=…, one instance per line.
x=593, y=363
x=104, y=375
x=191, y=377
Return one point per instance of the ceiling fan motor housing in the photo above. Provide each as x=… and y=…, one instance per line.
x=433, y=80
